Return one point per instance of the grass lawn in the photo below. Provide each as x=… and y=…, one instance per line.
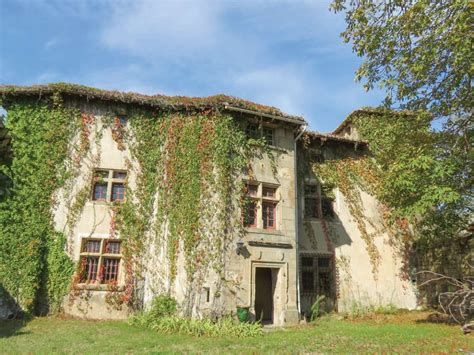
x=401, y=333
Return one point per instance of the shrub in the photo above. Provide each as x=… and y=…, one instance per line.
x=163, y=306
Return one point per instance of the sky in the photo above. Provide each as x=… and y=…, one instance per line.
x=286, y=54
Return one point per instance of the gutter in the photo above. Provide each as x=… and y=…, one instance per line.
x=267, y=115
x=297, y=222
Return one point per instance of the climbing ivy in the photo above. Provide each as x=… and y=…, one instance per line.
x=185, y=170
x=34, y=269
x=411, y=176
x=187, y=173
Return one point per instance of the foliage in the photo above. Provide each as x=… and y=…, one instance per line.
x=192, y=163
x=409, y=156
x=186, y=105
x=60, y=267
x=32, y=258
x=360, y=310
x=420, y=51
x=163, y=306
x=351, y=175
x=316, y=307
x=406, y=333
x=224, y=327
x=419, y=185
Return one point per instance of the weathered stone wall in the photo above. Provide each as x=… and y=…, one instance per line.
x=210, y=294
x=357, y=284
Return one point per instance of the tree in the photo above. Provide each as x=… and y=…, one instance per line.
x=419, y=50
x=421, y=53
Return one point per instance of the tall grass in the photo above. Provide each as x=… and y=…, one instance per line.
x=163, y=318
x=198, y=327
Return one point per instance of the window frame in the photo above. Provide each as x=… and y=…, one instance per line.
x=261, y=202
x=317, y=270
x=108, y=178
x=259, y=130
x=101, y=256
x=318, y=200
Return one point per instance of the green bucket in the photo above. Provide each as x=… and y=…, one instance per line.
x=243, y=314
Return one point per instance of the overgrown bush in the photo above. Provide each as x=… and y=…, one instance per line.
x=163, y=306
x=163, y=318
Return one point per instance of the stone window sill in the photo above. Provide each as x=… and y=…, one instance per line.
x=98, y=287
x=264, y=231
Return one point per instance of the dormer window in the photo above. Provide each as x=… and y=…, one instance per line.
x=256, y=131
x=268, y=134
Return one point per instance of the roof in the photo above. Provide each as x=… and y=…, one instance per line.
x=173, y=103
x=332, y=137
x=367, y=111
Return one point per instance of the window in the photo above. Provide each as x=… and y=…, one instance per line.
x=306, y=261
x=100, y=260
x=311, y=207
x=307, y=279
x=256, y=131
x=268, y=135
x=118, y=192
x=252, y=190
x=250, y=219
x=109, y=185
x=122, y=120
x=268, y=215
x=100, y=191
x=269, y=192
x=260, y=208
x=252, y=130
x=316, y=274
x=207, y=294
x=312, y=200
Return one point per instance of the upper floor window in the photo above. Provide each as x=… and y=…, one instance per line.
x=260, y=209
x=109, y=185
x=100, y=260
x=256, y=131
x=315, y=204
x=122, y=119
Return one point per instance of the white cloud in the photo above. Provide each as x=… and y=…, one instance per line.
x=163, y=29
x=283, y=87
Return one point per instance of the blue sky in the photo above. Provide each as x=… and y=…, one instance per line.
x=282, y=53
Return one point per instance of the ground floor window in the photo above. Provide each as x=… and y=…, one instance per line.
x=100, y=260
x=316, y=274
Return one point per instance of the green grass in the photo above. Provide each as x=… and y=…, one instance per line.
x=406, y=333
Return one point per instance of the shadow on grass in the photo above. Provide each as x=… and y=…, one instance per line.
x=437, y=318
x=12, y=319
x=12, y=327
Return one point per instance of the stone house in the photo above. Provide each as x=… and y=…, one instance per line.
x=298, y=242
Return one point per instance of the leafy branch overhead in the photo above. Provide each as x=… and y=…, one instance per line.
x=420, y=51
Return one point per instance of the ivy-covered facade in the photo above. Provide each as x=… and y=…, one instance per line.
x=113, y=198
